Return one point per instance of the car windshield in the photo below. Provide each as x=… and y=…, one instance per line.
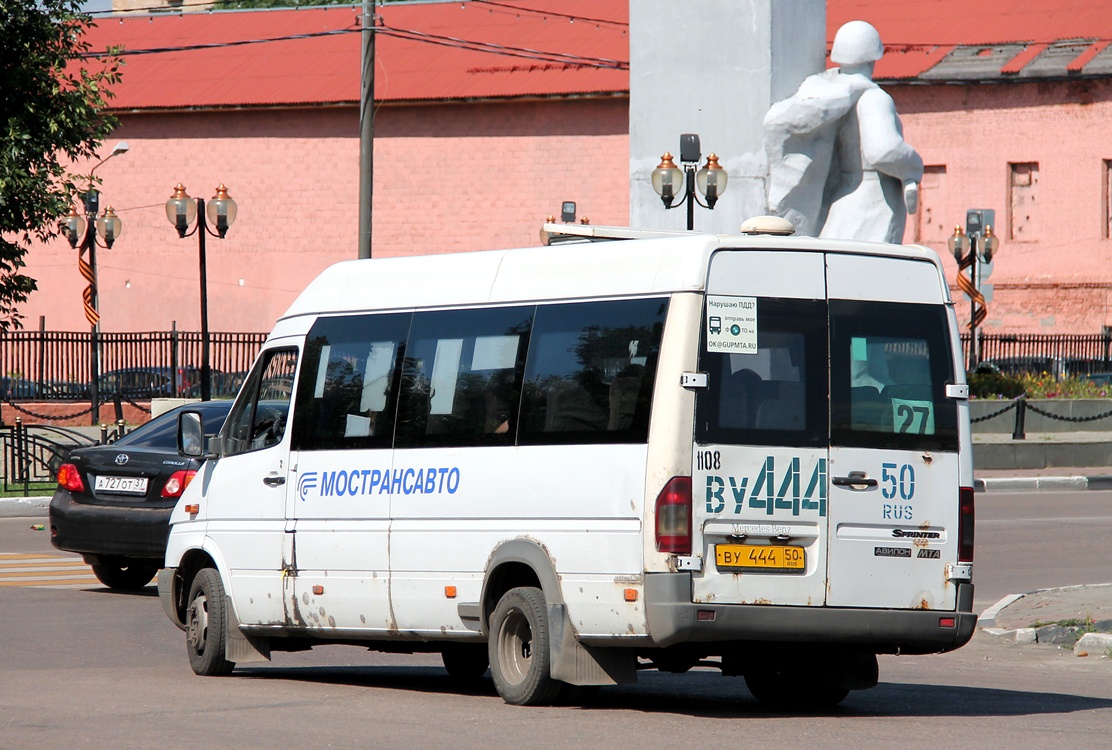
x=162, y=431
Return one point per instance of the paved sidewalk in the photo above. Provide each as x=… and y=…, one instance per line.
x=1053, y=478
x=1056, y=617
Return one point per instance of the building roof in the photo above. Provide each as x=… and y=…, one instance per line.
x=424, y=51
x=488, y=49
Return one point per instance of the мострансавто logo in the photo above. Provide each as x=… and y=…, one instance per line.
x=433, y=480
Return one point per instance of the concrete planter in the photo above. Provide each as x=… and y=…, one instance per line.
x=1071, y=408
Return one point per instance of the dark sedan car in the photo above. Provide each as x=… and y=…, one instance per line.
x=113, y=502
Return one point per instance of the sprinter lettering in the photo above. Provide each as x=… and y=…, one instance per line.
x=773, y=490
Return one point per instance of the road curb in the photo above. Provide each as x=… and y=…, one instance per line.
x=987, y=620
x=18, y=507
x=1042, y=484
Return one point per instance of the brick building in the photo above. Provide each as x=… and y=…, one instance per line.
x=476, y=144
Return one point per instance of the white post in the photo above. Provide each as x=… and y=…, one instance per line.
x=713, y=67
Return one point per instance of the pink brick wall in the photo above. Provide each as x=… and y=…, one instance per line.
x=485, y=175
x=447, y=179
x=1061, y=281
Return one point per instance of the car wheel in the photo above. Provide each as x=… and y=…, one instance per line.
x=206, y=625
x=520, y=649
x=125, y=575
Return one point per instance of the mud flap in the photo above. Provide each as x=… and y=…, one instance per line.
x=240, y=648
x=576, y=664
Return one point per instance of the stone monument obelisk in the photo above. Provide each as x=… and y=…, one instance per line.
x=713, y=67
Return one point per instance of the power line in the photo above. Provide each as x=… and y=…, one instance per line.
x=570, y=17
x=501, y=49
x=408, y=34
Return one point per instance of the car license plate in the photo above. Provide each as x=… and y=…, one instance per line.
x=121, y=485
x=760, y=557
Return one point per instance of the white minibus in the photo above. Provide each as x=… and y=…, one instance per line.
x=569, y=463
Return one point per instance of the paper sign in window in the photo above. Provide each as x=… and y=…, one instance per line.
x=912, y=416
x=731, y=324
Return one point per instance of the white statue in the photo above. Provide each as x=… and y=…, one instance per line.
x=838, y=164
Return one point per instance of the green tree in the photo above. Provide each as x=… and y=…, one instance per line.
x=52, y=97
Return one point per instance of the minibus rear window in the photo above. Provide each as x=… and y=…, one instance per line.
x=889, y=366
x=776, y=394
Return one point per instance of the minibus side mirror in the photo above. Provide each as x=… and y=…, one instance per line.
x=191, y=437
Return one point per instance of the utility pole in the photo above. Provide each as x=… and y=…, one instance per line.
x=367, y=130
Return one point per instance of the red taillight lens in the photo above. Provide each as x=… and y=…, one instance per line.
x=673, y=517
x=965, y=525
x=177, y=483
x=70, y=478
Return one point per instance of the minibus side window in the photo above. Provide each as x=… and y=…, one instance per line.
x=461, y=377
x=776, y=395
x=590, y=372
x=890, y=363
x=258, y=419
x=347, y=394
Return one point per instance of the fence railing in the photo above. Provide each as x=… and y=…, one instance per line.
x=53, y=365
x=1056, y=354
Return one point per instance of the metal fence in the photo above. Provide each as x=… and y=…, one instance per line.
x=55, y=365
x=1056, y=354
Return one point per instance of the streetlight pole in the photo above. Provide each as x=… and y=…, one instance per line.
x=83, y=231
x=982, y=244
x=710, y=180
x=221, y=211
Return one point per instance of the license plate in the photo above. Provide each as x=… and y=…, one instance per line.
x=760, y=557
x=121, y=485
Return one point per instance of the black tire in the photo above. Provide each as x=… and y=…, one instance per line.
x=206, y=625
x=781, y=688
x=520, y=649
x=465, y=661
x=122, y=574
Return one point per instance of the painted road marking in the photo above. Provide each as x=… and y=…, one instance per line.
x=45, y=571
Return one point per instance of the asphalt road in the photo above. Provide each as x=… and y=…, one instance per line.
x=84, y=667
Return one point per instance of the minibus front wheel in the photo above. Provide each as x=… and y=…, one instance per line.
x=520, y=649
x=206, y=625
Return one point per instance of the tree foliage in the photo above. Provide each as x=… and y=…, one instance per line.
x=52, y=97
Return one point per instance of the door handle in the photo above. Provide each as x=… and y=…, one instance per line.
x=277, y=481
x=857, y=480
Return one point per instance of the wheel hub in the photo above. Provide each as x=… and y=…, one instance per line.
x=198, y=623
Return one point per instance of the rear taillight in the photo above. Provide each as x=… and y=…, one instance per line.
x=965, y=525
x=177, y=483
x=673, y=517
x=69, y=478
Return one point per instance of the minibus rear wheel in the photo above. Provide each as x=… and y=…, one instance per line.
x=781, y=689
x=465, y=661
x=206, y=625
x=520, y=649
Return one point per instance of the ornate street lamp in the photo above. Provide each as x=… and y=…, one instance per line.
x=221, y=211
x=974, y=248
x=670, y=182
x=82, y=231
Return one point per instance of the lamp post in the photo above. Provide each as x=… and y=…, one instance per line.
x=982, y=244
x=83, y=230
x=669, y=180
x=221, y=210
